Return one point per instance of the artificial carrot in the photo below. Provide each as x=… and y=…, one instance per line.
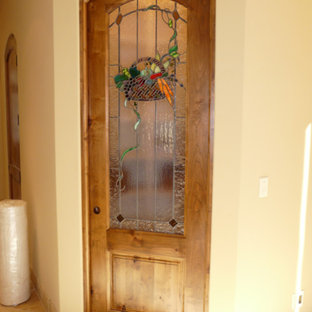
x=160, y=85
x=166, y=84
x=167, y=94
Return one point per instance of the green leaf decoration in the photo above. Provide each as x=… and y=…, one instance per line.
x=173, y=49
x=175, y=54
x=174, y=36
x=153, y=67
x=170, y=23
x=153, y=6
x=134, y=72
x=119, y=84
x=126, y=72
x=157, y=57
x=120, y=78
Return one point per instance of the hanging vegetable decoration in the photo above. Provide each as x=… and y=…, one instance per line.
x=149, y=78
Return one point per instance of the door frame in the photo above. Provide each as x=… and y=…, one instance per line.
x=85, y=140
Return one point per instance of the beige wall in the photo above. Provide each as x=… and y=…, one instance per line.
x=67, y=145
x=263, y=105
x=32, y=24
x=4, y=180
x=230, y=36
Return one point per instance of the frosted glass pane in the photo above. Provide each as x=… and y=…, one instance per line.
x=128, y=37
x=180, y=145
x=113, y=45
x=150, y=195
x=127, y=140
x=113, y=92
x=182, y=31
x=114, y=193
x=181, y=75
x=146, y=162
x=113, y=143
x=146, y=30
x=113, y=16
x=163, y=33
x=182, y=11
x=163, y=227
x=179, y=196
x=129, y=224
x=147, y=226
x=164, y=160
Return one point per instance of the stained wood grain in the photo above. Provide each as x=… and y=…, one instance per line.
x=146, y=243
x=139, y=283
x=98, y=155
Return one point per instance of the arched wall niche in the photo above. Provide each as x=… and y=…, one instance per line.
x=10, y=46
x=12, y=117
x=4, y=183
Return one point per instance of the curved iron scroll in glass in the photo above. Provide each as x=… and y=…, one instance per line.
x=147, y=56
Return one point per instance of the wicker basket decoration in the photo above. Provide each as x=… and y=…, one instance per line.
x=151, y=83
x=147, y=88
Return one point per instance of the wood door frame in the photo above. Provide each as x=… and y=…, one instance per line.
x=85, y=142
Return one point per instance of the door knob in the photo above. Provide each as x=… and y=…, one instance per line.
x=97, y=210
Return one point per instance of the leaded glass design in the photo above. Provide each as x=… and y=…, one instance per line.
x=147, y=102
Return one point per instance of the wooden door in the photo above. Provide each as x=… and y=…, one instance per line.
x=13, y=120
x=135, y=262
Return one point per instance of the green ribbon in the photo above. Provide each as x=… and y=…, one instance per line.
x=130, y=149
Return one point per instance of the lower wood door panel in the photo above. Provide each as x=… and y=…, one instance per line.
x=147, y=271
x=141, y=284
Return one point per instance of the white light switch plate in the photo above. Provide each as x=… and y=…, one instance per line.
x=263, y=187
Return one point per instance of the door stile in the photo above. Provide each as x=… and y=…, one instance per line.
x=98, y=152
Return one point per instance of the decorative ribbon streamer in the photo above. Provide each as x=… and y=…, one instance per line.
x=135, y=110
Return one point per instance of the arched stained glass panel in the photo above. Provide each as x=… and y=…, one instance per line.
x=147, y=101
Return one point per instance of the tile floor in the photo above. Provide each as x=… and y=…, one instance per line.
x=32, y=305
